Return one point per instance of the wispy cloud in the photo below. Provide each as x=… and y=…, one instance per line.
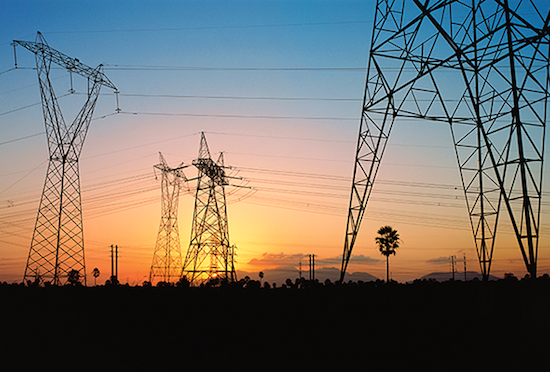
x=337, y=260
x=280, y=259
x=439, y=260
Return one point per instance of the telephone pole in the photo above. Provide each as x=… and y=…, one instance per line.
x=453, y=266
x=114, y=264
x=464, y=267
x=311, y=267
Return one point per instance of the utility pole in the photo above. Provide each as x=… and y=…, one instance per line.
x=57, y=246
x=464, y=267
x=453, y=266
x=114, y=264
x=313, y=260
x=311, y=267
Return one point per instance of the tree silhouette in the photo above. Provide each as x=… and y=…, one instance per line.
x=95, y=273
x=73, y=278
x=387, y=241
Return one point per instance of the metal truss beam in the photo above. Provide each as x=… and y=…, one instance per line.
x=167, y=262
x=210, y=255
x=57, y=247
x=482, y=67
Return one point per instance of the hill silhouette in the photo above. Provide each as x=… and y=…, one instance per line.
x=445, y=276
x=281, y=274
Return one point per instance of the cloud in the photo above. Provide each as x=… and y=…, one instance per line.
x=284, y=259
x=439, y=260
x=278, y=259
x=364, y=259
x=337, y=260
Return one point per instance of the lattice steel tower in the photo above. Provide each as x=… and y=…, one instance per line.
x=210, y=256
x=482, y=67
x=167, y=263
x=57, y=247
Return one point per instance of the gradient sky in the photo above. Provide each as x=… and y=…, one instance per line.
x=277, y=86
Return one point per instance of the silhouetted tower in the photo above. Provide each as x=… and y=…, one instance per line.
x=209, y=256
x=453, y=268
x=481, y=67
x=464, y=266
x=167, y=263
x=311, y=267
x=114, y=264
x=57, y=246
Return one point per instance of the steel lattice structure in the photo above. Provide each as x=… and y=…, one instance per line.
x=167, y=262
x=57, y=247
x=482, y=67
x=210, y=255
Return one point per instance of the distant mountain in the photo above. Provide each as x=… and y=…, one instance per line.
x=278, y=275
x=333, y=274
x=281, y=274
x=445, y=276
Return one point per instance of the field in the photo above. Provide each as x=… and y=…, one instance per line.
x=360, y=326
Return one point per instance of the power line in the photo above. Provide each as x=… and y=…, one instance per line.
x=241, y=97
x=31, y=105
x=237, y=116
x=198, y=68
x=212, y=27
x=279, y=137
x=21, y=138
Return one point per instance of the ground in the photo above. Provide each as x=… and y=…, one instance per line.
x=366, y=326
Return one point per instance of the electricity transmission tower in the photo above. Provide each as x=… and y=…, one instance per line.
x=482, y=67
x=167, y=263
x=57, y=247
x=209, y=256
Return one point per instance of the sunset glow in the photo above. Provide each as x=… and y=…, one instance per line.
x=278, y=88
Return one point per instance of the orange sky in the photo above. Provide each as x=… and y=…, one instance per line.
x=281, y=129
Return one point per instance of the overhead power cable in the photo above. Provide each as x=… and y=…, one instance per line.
x=198, y=68
x=262, y=98
x=273, y=25
x=31, y=105
x=236, y=116
x=21, y=138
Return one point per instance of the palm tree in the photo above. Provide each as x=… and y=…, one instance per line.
x=387, y=241
x=95, y=273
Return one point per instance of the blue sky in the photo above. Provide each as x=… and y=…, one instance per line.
x=276, y=85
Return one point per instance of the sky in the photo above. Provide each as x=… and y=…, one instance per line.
x=278, y=87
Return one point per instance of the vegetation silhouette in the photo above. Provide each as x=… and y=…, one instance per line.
x=95, y=274
x=73, y=278
x=333, y=325
x=387, y=241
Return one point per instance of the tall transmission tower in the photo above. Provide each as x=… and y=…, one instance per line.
x=167, y=263
x=210, y=255
x=482, y=67
x=57, y=247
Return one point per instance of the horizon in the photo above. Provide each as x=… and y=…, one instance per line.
x=278, y=88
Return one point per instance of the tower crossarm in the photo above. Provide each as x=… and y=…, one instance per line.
x=212, y=170
x=72, y=64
